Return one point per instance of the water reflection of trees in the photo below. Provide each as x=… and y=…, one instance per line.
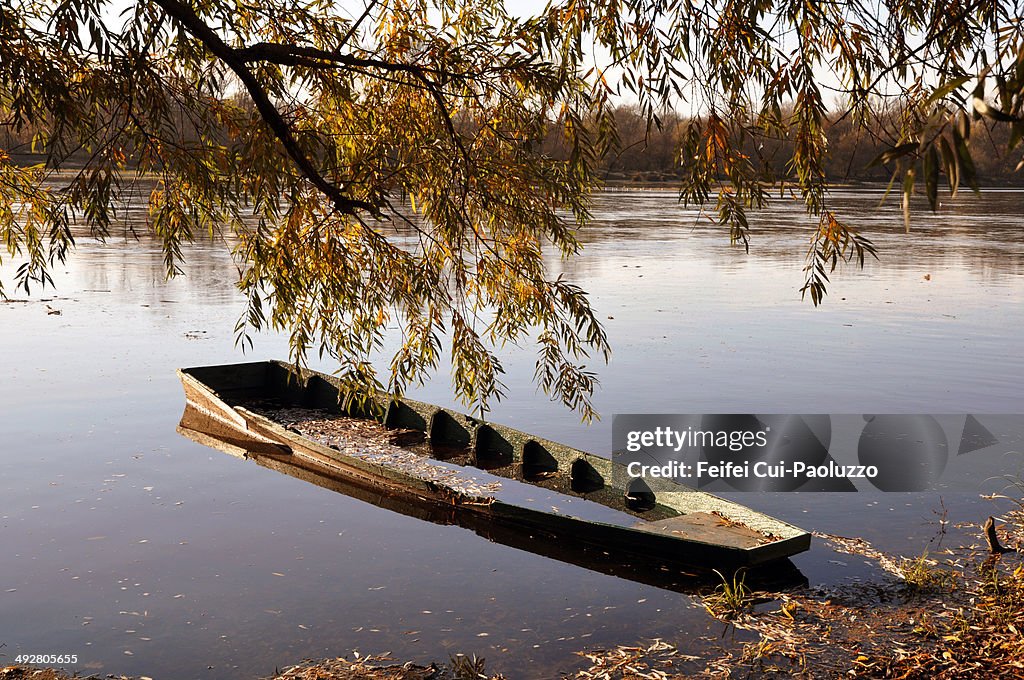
x=135, y=271
x=976, y=234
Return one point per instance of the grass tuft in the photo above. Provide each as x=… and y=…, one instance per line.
x=923, y=575
x=731, y=599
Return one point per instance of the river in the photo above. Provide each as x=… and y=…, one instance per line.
x=144, y=553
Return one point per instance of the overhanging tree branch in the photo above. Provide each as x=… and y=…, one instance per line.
x=192, y=23
x=300, y=55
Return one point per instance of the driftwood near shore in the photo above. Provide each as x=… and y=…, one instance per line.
x=992, y=538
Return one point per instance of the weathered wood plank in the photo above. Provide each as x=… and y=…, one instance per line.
x=706, y=528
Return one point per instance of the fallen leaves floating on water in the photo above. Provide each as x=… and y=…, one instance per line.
x=858, y=546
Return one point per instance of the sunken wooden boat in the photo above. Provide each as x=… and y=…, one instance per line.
x=440, y=459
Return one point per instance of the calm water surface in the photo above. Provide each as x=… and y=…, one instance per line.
x=145, y=553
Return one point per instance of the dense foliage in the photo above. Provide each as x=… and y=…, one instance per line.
x=312, y=134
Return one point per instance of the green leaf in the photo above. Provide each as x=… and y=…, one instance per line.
x=908, y=191
x=950, y=164
x=931, y=176
x=963, y=125
x=892, y=154
x=968, y=174
x=1016, y=134
x=982, y=107
x=946, y=88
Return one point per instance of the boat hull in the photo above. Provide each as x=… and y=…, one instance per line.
x=685, y=527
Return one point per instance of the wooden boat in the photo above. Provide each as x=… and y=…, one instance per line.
x=465, y=468
x=651, y=570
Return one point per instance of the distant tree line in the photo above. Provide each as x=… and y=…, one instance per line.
x=652, y=154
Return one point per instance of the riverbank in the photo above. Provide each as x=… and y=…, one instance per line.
x=612, y=180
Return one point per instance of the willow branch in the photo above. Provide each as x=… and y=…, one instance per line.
x=235, y=60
